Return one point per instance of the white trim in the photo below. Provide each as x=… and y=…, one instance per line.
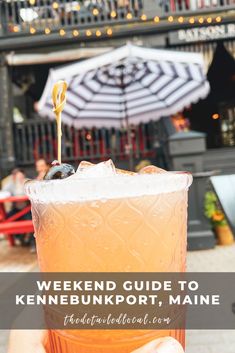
x=193, y=97
x=14, y=59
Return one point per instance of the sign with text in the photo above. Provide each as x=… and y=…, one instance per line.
x=201, y=34
x=117, y=300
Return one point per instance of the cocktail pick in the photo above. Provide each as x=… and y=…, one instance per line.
x=59, y=100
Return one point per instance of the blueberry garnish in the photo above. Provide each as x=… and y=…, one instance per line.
x=59, y=171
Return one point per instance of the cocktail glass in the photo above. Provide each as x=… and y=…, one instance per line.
x=110, y=223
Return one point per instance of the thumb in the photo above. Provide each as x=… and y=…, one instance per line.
x=27, y=341
x=161, y=345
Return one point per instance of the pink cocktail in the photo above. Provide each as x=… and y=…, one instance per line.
x=102, y=221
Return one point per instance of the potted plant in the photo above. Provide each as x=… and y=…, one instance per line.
x=219, y=223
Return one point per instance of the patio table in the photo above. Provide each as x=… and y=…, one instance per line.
x=13, y=225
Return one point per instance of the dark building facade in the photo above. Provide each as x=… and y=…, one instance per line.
x=36, y=35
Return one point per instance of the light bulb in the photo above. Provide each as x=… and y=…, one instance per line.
x=95, y=12
x=55, y=5
x=75, y=33
x=62, y=32
x=32, y=30
x=15, y=29
x=88, y=33
x=215, y=116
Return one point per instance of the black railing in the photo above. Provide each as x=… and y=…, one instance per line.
x=36, y=138
x=39, y=16
x=195, y=6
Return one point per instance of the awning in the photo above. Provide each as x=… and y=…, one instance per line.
x=14, y=59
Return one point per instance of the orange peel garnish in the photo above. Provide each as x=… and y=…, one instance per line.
x=151, y=169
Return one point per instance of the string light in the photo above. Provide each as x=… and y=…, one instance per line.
x=15, y=29
x=98, y=33
x=75, y=33
x=191, y=20
x=218, y=19
x=32, y=2
x=181, y=19
x=215, y=116
x=201, y=20
x=170, y=19
x=129, y=16
x=95, y=12
x=47, y=30
x=209, y=20
x=88, y=137
x=143, y=17
x=109, y=31
x=55, y=5
x=113, y=14
x=62, y=32
x=88, y=33
x=32, y=30
x=156, y=19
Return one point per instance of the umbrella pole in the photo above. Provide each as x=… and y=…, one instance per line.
x=129, y=147
x=128, y=127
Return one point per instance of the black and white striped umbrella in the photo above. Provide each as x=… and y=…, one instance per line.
x=130, y=82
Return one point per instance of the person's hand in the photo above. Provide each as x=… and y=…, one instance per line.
x=34, y=341
x=27, y=341
x=161, y=345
